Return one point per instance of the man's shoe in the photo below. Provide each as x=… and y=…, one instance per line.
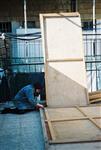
x=6, y=111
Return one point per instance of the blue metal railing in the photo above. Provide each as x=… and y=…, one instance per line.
x=92, y=47
x=27, y=56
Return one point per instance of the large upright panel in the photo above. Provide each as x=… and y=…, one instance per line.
x=64, y=60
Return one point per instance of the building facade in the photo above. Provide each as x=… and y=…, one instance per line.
x=12, y=12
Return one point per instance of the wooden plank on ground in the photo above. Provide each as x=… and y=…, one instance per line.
x=73, y=119
x=44, y=129
x=50, y=125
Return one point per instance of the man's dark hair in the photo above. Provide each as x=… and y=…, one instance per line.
x=37, y=85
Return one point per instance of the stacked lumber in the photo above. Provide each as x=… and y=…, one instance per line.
x=95, y=97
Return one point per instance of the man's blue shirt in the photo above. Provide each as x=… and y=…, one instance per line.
x=25, y=98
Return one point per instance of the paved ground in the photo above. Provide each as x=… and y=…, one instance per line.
x=24, y=132
x=21, y=132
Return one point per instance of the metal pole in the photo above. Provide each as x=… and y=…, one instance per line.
x=94, y=14
x=25, y=16
x=76, y=5
x=94, y=42
x=25, y=26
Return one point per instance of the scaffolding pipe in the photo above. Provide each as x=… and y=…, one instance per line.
x=94, y=16
x=76, y=5
x=25, y=16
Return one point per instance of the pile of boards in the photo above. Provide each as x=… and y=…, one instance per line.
x=95, y=97
x=68, y=117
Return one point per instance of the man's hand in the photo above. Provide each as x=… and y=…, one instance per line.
x=38, y=106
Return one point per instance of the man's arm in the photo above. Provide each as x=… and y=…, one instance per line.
x=30, y=96
x=32, y=99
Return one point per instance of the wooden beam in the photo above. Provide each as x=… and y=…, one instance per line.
x=50, y=125
x=94, y=92
x=50, y=15
x=96, y=117
x=44, y=129
x=67, y=119
x=95, y=96
x=64, y=141
x=71, y=119
x=92, y=120
x=64, y=60
x=95, y=100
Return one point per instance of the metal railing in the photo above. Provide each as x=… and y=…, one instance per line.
x=92, y=47
x=24, y=55
x=27, y=56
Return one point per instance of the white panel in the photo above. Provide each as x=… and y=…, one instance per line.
x=58, y=38
x=65, y=72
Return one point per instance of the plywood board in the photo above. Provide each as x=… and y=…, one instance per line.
x=78, y=130
x=79, y=124
x=65, y=74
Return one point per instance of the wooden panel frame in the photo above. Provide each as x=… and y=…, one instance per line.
x=49, y=99
x=85, y=117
